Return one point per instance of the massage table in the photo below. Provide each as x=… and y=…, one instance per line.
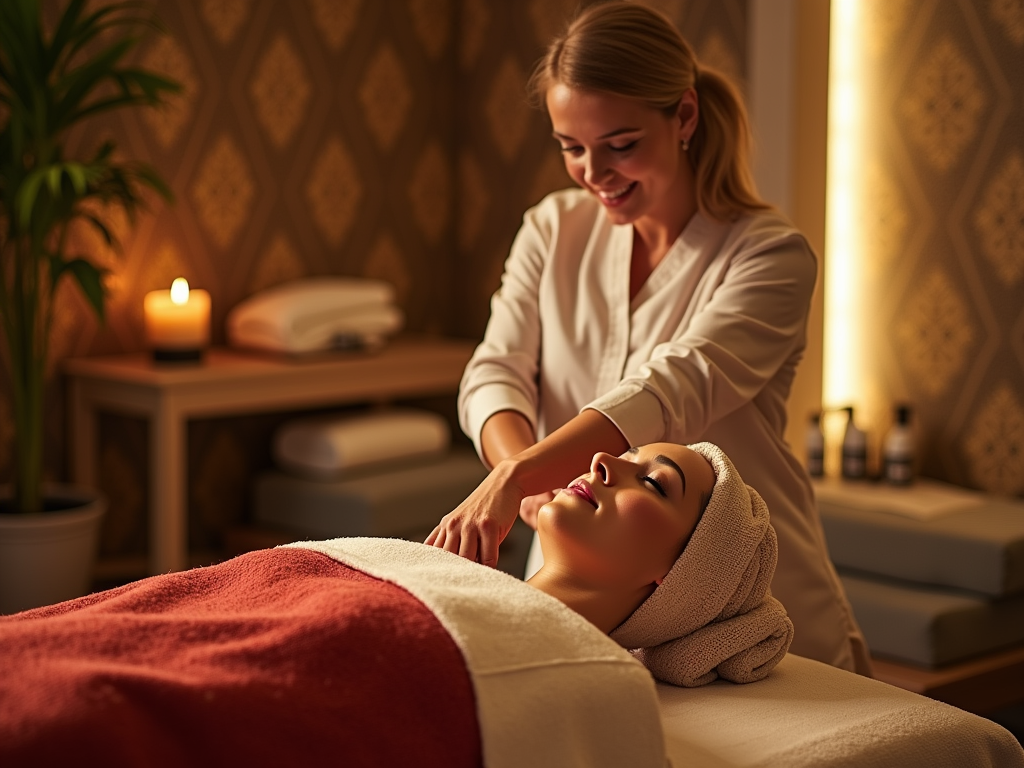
x=806, y=713
x=516, y=678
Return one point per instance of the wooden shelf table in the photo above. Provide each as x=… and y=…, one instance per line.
x=231, y=383
x=980, y=685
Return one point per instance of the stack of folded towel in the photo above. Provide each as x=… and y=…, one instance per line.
x=934, y=573
x=382, y=473
x=316, y=314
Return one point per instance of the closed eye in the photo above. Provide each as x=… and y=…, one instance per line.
x=624, y=147
x=571, y=150
x=655, y=484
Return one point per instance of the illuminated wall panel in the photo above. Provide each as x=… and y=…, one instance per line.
x=924, y=263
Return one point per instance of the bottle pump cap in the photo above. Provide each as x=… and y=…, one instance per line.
x=903, y=414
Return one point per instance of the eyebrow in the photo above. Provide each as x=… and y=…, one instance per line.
x=612, y=134
x=665, y=461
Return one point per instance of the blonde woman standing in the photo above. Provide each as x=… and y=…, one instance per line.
x=662, y=300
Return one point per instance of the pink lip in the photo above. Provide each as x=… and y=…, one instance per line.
x=582, y=489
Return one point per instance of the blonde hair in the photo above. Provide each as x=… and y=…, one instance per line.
x=626, y=49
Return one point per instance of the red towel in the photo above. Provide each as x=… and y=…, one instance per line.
x=278, y=657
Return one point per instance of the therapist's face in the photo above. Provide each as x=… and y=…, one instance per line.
x=623, y=524
x=627, y=154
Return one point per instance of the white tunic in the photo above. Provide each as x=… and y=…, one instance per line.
x=706, y=350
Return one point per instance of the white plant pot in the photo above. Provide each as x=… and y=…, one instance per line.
x=49, y=557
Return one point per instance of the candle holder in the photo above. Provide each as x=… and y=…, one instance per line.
x=177, y=323
x=177, y=355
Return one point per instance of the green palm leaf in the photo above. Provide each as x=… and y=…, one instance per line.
x=50, y=83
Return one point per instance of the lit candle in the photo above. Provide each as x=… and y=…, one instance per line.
x=177, y=322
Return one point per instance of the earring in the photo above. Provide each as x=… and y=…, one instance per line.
x=686, y=145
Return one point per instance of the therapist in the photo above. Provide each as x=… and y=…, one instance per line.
x=660, y=301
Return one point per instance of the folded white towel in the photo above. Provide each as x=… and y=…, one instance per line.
x=552, y=691
x=324, y=447
x=315, y=314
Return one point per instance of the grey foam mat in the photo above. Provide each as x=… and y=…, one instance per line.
x=406, y=503
x=930, y=626
x=399, y=500
x=979, y=549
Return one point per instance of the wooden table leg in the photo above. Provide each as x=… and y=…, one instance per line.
x=84, y=440
x=168, y=525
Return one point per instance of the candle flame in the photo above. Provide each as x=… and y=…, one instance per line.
x=179, y=291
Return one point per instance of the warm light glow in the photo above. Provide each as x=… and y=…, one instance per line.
x=179, y=291
x=843, y=354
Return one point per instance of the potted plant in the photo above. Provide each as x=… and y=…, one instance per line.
x=53, y=81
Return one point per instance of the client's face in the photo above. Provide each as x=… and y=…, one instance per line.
x=624, y=523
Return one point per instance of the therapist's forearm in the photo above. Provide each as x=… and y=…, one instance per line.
x=505, y=434
x=566, y=453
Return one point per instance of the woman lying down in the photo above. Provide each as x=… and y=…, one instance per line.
x=386, y=652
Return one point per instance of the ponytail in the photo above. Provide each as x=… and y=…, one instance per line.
x=720, y=149
x=629, y=50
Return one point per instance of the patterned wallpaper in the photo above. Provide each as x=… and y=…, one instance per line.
x=943, y=205
x=507, y=160
x=386, y=138
x=390, y=138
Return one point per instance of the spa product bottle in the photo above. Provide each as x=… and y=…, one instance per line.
x=815, y=445
x=855, y=449
x=898, y=450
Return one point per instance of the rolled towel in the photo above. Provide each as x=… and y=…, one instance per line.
x=325, y=447
x=713, y=615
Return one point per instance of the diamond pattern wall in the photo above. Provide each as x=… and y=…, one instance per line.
x=333, y=191
x=943, y=209
x=943, y=103
x=280, y=91
x=222, y=192
x=385, y=96
x=392, y=139
x=999, y=219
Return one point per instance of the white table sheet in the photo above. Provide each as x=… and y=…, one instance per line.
x=809, y=714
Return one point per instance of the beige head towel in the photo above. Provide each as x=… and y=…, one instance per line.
x=713, y=615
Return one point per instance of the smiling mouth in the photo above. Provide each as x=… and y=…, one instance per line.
x=617, y=196
x=582, y=489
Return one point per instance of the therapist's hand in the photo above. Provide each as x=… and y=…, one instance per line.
x=477, y=526
x=530, y=507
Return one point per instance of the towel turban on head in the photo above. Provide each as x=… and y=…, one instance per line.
x=713, y=615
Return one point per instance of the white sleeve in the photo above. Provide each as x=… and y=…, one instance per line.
x=754, y=321
x=502, y=374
